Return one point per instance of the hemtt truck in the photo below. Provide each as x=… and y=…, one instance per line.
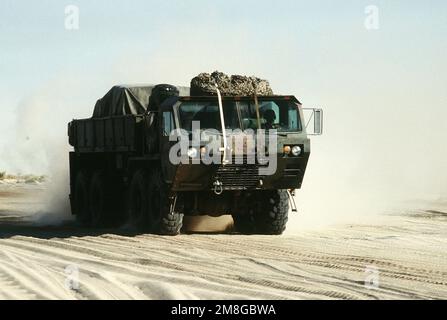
x=121, y=168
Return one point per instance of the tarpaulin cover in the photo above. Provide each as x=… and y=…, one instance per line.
x=133, y=100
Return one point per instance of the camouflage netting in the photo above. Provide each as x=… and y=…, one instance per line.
x=204, y=85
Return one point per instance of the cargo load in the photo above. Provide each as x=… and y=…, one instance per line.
x=236, y=85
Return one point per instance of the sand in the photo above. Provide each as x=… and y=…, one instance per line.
x=402, y=257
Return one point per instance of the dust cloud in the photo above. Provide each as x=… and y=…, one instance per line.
x=38, y=143
x=376, y=156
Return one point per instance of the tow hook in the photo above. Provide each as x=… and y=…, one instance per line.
x=218, y=187
x=291, y=194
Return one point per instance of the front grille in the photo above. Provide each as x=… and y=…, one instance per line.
x=238, y=177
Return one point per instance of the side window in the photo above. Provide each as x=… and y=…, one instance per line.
x=293, y=118
x=270, y=115
x=168, y=123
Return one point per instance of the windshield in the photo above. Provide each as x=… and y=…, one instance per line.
x=280, y=115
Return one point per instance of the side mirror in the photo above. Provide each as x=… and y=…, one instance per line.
x=314, y=121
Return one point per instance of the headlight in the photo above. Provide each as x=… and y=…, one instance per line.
x=192, y=153
x=296, y=151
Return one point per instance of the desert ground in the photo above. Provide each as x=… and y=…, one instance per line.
x=402, y=257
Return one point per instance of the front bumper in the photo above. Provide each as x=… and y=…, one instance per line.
x=289, y=174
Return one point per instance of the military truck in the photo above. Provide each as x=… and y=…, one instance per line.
x=121, y=171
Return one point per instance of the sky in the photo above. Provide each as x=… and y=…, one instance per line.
x=383, y=89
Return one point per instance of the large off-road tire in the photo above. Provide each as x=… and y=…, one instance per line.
x=161, y=220
x=268, y=214
x=138, y=201
x=81, y=199
x=274, y=213
x=103, y=201
x=244, y=223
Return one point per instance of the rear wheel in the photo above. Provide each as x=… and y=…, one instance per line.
x=161, y=219
x=104, y=208
x=268, y=214
x=81, y=199
x=139, y=201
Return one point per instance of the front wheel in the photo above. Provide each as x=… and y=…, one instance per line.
x=268, y=214
x=163, y=218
